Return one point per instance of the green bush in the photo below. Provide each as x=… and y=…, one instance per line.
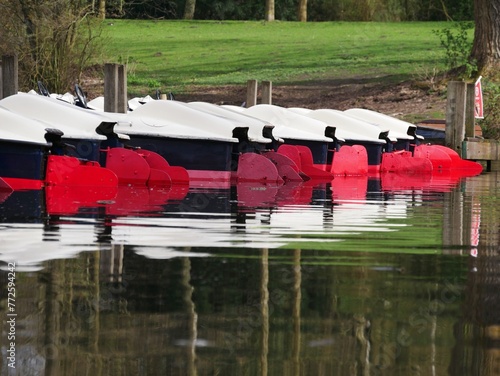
x=490, y=125
x=457, y=42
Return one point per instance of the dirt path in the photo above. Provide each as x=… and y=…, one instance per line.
x=400, y=100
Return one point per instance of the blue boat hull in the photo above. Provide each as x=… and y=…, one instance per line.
x=22, y=161
x=191, y=154
x=84, y=149
x=319, y=150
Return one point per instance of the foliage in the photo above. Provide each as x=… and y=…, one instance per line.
x=229, y=10
x=156, y=9
x=490, y=125
x=54, y=40
x=286, y=10
x=456, y=41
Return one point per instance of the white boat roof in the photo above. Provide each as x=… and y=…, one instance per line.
x=348, y=128
x=232, y=107
x=136, y=102
x=288, y=124
x=66, y=97
x=300, y=110
x=17, y=128
x=73, y=121
x=96, y=103
x=160, y=118
x=255, y=126
x=397, y=128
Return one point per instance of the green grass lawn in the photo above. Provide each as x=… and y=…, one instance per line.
x=174, y=55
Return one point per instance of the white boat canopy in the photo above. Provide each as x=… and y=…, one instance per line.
x=172, y=119
x=135, y=103
x=234, y=108
x=96, y=104
x=73, y=121
x=300, y=110
x=256, y=127
x=347, y=127
x=290, y=125
x=17, y=128
x=399, y=129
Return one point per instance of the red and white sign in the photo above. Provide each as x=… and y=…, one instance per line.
x=478, y=101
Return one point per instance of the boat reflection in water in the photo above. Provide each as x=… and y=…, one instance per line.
x=291, y=279
x=247, y=214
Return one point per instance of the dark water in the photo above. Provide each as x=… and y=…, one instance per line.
x=357, y=277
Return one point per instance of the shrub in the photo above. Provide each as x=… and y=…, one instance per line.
x=490, y=125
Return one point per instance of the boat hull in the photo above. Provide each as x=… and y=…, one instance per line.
x=322, y=158
x=203, y=159
x=374, y=151
x=402, y=145
x=22, y=165
x=84, y=149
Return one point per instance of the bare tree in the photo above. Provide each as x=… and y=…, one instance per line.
x=302, y=11
x=189, y=9
x=486, y=46
x=54, y=40
x=102, y=9
x=269, y=10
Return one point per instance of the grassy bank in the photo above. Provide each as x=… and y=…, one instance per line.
x=174, y=55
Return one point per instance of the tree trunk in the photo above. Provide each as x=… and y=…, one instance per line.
x=302, y=11
x=102, y=9
x=486, y=46
x=189, y=9
x=269, y=10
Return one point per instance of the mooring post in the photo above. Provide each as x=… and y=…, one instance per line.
x=470, y=118
x=110, y=87
x=121, y=100
x=251, y=93
x=267, y=92
x=455, y=115
x=10, y=83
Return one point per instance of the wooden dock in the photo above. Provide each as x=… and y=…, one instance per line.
x=482, y=150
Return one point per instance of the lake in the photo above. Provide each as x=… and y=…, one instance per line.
x=358, y=276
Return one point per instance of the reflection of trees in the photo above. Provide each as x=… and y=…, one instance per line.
x=304, y=319
x=296, y=301
x=260, y=311
x=192, y=317
x=264, y=306
x=53, y=304
x=477, y=334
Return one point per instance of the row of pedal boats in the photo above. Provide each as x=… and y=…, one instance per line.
x=47, y=141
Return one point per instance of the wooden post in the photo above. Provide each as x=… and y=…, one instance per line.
x=267, y=92
x=455, y=115
x=163, y=97
x=121, y=99
x=110, y=87
x=251, y=93
x=470, y=119
x=10, y=83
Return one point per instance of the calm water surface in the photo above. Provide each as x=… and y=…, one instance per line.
x=356, y=277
